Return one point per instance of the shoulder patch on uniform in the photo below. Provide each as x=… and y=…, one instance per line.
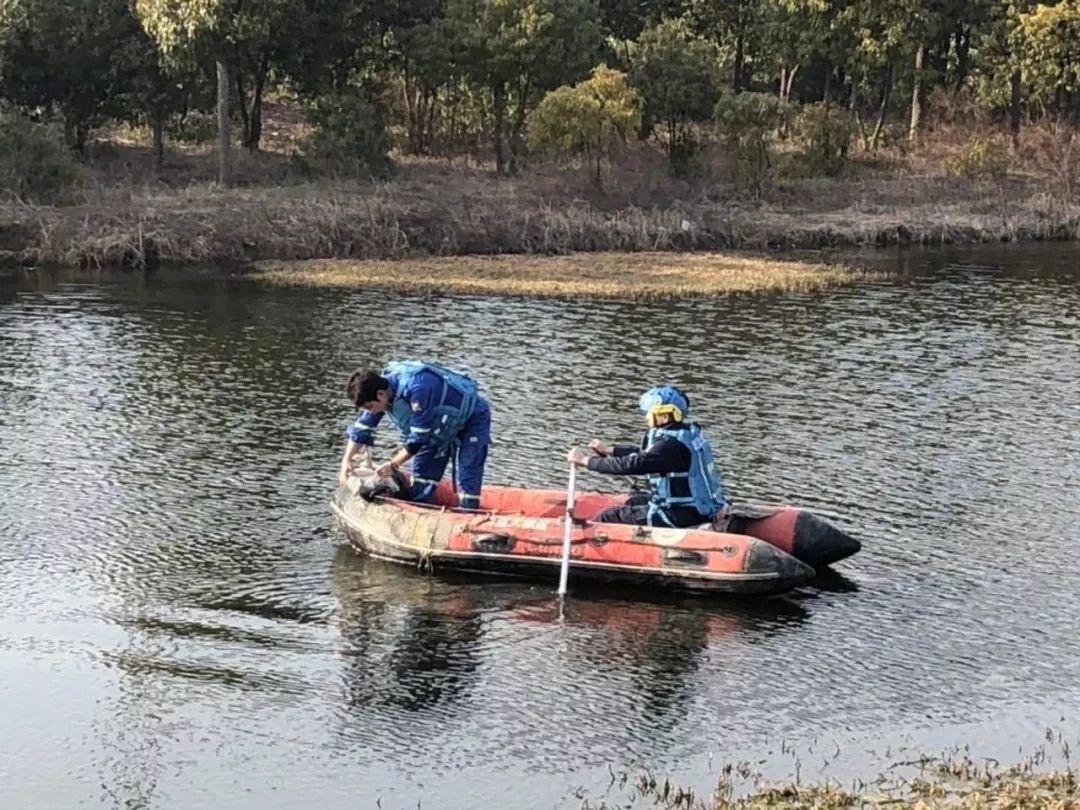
x=416, y=406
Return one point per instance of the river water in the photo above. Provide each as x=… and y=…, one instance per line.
x=180, y=625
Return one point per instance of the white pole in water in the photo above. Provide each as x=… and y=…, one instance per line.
x=567, y=530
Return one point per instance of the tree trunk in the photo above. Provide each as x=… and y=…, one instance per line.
x=75, y=135
x=499, y=114
x=159, y=141
x=429, y=129
x=251, y=117
x=740, y=59
x=451, y=129
x=886, y=91
x=475, y=140
x=1015, y=90
x=963, y=55
x=224, y=136
x=417, y=120
x=853, y=104
x=241, y=103
x=254, y=133
x=517, y=132
x=826, y=91
x=917, y=96
x=862, y=132
x=787, y=82
x=412, y=115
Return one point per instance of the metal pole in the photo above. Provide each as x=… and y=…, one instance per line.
x=567, y=530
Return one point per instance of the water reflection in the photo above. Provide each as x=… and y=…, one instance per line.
x=661, y=641
x=830, y=580
x=176, y=630
x=10, y=282
x=413, y=640
x=408, y=640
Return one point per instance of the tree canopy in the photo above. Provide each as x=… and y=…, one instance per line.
x=470, y=74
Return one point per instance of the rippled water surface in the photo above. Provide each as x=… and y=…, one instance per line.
x=180, y=625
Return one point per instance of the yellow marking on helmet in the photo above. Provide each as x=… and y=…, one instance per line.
x=674, y=410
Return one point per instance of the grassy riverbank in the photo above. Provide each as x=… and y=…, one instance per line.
x=950, y=782
x=122, y=213
x=456, y=210
x=638, y=275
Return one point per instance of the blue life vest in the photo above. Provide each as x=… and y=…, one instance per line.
x=449, y=419
x=706, y=487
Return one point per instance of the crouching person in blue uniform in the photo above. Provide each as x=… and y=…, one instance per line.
x=686, y=489
x=441, y=416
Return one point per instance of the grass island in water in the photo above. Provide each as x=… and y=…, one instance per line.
x=607, y=275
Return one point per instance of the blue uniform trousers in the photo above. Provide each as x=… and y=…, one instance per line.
x=470, y=455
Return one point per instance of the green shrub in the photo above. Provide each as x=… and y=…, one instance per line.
x=684, y=156
x=826, y=132
x=590, y=118
x=350, y=136
x=981, y=157
x=34, y=163
x=195, y=128
x=678, y=74
x=748, y=124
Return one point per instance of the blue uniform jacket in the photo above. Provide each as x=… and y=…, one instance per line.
x=666, y=455
x=424, y=391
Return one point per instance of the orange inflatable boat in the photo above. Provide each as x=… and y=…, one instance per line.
x=519, y=532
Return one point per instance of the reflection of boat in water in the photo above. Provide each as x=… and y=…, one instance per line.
x=638, y=618
x=419, y=642
x=409, y=642
x=830, y=580
x=519, y=532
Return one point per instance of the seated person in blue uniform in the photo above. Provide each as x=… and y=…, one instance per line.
x=686, y=489
x=441, y=416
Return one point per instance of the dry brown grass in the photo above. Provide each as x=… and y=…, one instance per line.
x=950, y=782
x=439, y=211
x=636, y=275
x=453, y=208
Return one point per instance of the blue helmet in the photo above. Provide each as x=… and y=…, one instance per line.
x=665, y=399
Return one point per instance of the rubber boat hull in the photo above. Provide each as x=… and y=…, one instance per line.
x=519, y=533
x=803, y=535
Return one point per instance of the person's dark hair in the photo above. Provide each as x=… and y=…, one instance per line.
x=364, y=386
